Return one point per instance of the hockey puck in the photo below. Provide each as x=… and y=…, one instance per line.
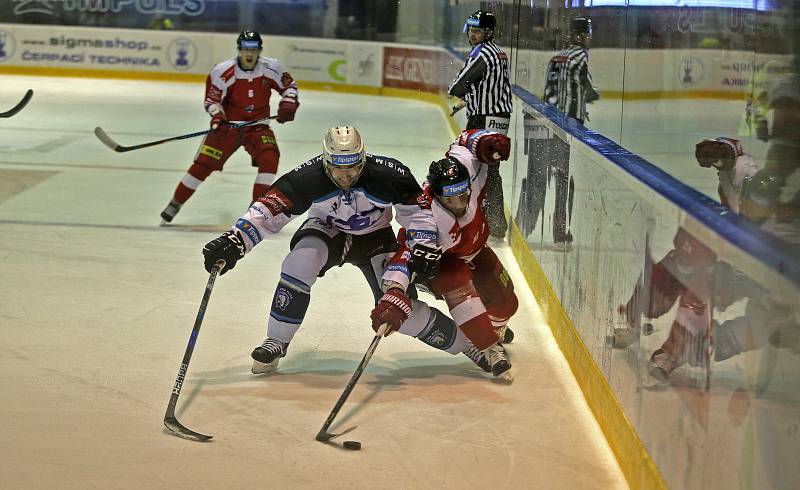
x=352, y=445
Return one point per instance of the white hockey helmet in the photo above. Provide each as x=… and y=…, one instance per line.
x=343, y=155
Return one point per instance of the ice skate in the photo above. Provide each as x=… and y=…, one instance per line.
x=266, y=356
x=661, y=364
x=477, y=357
x=506, y=334
x=498, y=359
x=170, y=211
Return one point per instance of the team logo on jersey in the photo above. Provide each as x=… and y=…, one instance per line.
x=8, y=45
x=276, y=201
x=181, y=54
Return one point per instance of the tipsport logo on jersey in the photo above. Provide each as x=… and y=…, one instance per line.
x=181, y=54
x=8, y=45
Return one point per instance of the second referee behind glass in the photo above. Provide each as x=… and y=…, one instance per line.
x=483, y=86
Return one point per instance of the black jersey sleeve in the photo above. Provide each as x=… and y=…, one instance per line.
x=289, y=197
x=394, y=182
x=473, y=71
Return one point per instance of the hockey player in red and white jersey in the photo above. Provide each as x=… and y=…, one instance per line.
x=688, y=271
x=469, y=276
x=349, y=197
x=239, y=90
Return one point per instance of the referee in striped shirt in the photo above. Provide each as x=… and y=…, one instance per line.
x=569, y=87
x=568, y=84
x=483, y=86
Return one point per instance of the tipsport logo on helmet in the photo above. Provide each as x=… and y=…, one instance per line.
x=181, y=54
x=8, y=45
x=455, y=189
x=350, y=159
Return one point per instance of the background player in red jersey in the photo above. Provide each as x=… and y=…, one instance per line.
x=238, y=90
x=469, y=277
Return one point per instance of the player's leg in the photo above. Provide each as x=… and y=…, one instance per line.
x=315, y=248
x=496, y=290
x=214, y=151
x=260, y=143
x=454, y=283
x=370, y=253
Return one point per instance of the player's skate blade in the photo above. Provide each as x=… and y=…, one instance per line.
x=506, y=376
x=264, y=368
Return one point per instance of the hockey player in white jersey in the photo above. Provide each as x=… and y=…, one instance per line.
x=349, y=195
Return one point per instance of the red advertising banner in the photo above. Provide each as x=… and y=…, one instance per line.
x=416, y=69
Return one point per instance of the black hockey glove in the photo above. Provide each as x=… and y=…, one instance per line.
x=228, y=247
x=425, y=262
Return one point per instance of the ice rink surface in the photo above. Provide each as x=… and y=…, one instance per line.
x=97, y=303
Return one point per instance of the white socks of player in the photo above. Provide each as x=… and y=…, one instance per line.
x=266, y=356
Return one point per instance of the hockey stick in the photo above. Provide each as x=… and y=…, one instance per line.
x=323, y=435
x=106, y=139
x=21, y=105
x=170, y=421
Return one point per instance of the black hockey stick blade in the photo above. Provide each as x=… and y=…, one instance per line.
x=178, y=429
x=323, y=436
x=21, y=105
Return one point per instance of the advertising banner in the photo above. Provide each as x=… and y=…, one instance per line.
x=315, y=60
x=100, y=49
x=413, y=68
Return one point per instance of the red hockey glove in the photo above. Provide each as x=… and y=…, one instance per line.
x=286, y=109
x=489, y=146
x=393, y=308
x=219, y=122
